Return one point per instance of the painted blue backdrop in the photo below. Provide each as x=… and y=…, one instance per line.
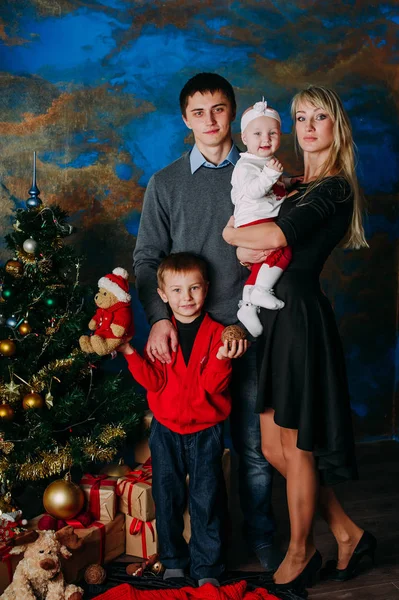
x=93, y=88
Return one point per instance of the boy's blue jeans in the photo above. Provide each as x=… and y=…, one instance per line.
x=199, y=455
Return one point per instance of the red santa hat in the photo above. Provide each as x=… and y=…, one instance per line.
x=117, y=283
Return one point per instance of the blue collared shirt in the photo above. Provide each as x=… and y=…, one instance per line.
x=197, y=159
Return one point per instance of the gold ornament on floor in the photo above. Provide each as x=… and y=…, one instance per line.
x=6, y=412
x=63, y=499
x=14, y=268
x=24, y=328
x=157, y=568
x=32, y=400
x=8, y=347
x=118, y=469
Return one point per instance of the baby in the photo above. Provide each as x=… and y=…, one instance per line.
x=257, y=195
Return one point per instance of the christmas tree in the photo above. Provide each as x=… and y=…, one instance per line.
x=58, y=407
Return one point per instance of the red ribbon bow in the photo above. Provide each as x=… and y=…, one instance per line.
x=143, y=475
x=96, y=482
x=137, y=527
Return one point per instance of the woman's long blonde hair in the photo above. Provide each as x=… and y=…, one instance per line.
x=341, y=160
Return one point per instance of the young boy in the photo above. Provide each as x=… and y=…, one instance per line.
x=257, y=194
x=190, y=400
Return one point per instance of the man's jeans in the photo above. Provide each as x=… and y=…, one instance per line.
x=255, y=473
x=199, y=455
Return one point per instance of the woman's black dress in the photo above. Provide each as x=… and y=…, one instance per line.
x=302, y=373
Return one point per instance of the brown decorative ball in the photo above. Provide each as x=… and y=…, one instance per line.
x=6, y=412
x=32, y=400
x=118, y=469
x=14, y=268
x=95, y=575
x=233, y=332
x=7, y=347
x=24, y=328
x=63, y=499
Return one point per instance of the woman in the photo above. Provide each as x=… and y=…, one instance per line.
x=303, y=398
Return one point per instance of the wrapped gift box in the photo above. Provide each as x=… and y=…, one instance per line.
x=136, y=493
x=8, y=564
x=103, y=542
x=100, y=492
x=141, y=537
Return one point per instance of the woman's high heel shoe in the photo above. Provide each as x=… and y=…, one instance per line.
x=307, y=577
x=366, y=547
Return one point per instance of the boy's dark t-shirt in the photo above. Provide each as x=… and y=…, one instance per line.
x=187, y=333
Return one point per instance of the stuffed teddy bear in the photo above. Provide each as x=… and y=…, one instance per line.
x=38, y=576
x=113, y=321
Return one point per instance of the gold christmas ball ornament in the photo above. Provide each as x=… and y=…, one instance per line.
x=32, y=400
x=6, y=412
x=7, y=347
x=63, y=499
x=24, y=328
x=95, y=575
x=116, y=469
x=14, y=268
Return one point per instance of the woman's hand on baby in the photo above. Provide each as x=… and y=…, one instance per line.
x=247, y=256
x=275, y=164
x=228, y=230
x=232, y=349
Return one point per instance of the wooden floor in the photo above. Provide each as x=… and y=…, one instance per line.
x=373, y=502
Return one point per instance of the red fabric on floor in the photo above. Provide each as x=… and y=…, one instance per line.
x=236, y=591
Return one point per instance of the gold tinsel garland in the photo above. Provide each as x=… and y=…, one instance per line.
x=40, y=381
x=50, y=463
x=99, y=453
x=54, y=463
x=6, y=447
x=4, y=464
x=25, y=256
x=111, y=433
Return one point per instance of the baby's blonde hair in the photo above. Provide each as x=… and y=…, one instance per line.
x=341, y=160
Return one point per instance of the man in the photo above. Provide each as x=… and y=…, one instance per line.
x=186, y=206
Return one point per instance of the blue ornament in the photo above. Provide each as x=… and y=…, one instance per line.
x=34, y=201
x=11, y=322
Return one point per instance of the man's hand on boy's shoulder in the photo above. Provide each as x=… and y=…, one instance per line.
x=162, y=341
x=232, y=349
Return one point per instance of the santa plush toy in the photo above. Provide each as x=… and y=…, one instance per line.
x=113, y=321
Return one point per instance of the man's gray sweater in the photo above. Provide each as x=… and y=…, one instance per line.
x=186, y=212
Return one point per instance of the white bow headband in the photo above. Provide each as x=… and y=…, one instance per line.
x=259, y=109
